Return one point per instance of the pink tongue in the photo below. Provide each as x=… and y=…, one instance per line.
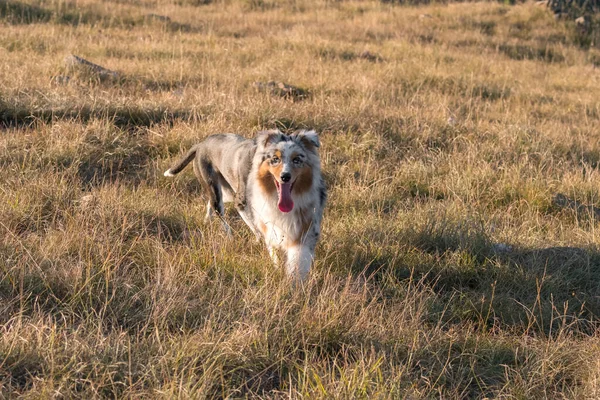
x=285, y=203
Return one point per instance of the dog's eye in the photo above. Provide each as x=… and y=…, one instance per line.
x=275, y=160
x=297, y=161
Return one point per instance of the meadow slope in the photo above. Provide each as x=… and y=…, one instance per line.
x=448, y=267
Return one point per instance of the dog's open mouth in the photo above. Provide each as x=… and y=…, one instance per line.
x=284, y=191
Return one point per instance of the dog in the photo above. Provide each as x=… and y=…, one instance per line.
x=275, y=183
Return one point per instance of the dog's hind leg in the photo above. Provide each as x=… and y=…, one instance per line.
x=209, y=179
x=210, y=212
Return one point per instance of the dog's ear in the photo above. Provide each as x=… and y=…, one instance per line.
x=309, y=138
x=263, y=138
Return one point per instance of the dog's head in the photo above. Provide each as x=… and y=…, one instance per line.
x=288, y=164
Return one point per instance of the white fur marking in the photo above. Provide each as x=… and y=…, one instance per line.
x=298, y=262
x=274, y=256
x=209, y=212
x=168, y=173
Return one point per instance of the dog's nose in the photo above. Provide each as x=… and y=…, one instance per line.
x=286, y=177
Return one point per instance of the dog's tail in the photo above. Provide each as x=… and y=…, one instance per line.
x=181, y=164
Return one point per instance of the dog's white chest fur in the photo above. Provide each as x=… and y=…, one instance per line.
x=281, y=229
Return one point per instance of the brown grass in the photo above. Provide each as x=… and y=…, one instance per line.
x=445, y=270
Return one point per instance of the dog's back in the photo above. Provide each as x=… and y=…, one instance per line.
x=228, y=155
x=222, y=163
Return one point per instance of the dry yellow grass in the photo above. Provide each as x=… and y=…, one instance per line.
x=445, y=269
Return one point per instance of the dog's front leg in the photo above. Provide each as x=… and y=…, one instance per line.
x=248, y=220
x=274, y=255
x=243, y=170
x=239, y=200
x=298, y=261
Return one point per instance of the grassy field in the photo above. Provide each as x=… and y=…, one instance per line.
x=447, y=266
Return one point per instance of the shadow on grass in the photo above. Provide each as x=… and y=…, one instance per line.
x=348, y=55
x=33, y=282
x=486, y=91
x=15, y=12
x=522, y=52
x=37, y=296
x=551, y=288
x=122, y=156
x=534, y=290
x=542, y=290
x=69, y=13
x=12, y=116
x=99, y=168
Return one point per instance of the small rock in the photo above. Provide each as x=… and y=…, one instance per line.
x=583, y=24
x=178, y=93
x=74, y=61
x=367, y=55
x=282, y=89
x=156, y=17
x=502, y=248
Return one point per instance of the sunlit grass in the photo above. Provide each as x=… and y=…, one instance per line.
x=445, y=269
